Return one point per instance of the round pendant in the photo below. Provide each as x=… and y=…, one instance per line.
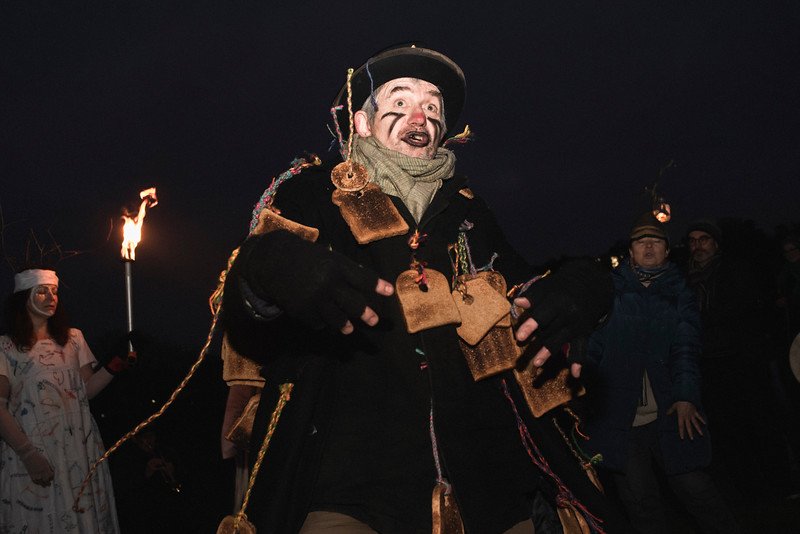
x=349, y=176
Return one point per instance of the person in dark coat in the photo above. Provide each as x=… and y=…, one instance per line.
x=648, y=389
x=379, y=418
x=737, y=390
x=789, y=285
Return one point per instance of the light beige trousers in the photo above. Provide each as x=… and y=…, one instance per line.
x=334, y=523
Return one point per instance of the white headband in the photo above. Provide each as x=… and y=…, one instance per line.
x=32, y=278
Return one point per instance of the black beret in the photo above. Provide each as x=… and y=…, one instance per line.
x=405, y=62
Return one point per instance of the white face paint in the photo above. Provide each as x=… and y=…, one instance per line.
x=408, y=119
x=43, y=300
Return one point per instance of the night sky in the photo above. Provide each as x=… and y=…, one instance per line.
x=576, y=106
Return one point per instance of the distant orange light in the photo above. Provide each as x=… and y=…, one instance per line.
x=132, y=229
x=663, y=212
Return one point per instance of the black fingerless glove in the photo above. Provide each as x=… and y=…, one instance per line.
x=121, y=358
x=310, y=283
x=116, y=365
x=568, y=305
x=577, y=350
x=128, y=347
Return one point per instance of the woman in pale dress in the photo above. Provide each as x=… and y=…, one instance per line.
x=49, y=438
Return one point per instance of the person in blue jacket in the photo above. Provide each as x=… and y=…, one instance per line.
x=648, y=403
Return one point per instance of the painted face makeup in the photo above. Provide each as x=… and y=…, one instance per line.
x=43, y=300
x=409, y=117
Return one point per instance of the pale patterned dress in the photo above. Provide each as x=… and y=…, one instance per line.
x=48, y=400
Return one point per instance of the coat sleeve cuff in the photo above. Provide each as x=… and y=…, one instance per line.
x=258, y=308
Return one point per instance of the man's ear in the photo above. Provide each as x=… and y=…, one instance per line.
x=361, y=122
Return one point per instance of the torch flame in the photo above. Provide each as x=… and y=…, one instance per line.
x=662, y=212
x=132, y=229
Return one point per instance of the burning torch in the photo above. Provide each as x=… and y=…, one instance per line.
x=131, y=235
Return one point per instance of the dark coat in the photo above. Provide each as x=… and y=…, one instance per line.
x=657, y=329
x=355, y=436
x=730, y=307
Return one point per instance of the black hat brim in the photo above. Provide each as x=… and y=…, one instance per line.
x=406, y=62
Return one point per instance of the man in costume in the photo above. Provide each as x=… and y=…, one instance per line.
x=356, y=288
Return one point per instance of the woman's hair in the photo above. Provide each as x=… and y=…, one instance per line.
x=20, y=327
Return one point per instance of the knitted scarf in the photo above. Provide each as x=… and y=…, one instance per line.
x=414, y=180
x=648, y=275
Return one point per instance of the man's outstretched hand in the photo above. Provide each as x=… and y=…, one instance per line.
x=369, y=317
x=564, y=308
x=528, y=328
x=310, y=283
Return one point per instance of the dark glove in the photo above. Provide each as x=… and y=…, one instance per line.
x=569, y=304
x=122, y=357
x=577, y=350
x=116, y=364
x=310, y=283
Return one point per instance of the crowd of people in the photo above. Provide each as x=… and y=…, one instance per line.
x=649, y=406
x=354, y=353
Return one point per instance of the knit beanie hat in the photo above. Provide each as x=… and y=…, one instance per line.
x=705, y=226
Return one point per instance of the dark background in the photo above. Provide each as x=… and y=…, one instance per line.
x=576, y=107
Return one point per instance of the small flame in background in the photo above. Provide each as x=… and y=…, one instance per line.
x=662, y=211
x=132, y=229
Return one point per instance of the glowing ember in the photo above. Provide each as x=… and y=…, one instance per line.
x=132, y=230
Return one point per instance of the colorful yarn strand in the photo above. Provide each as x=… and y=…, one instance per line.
x=286, y=394
x=460, y=139
x=215, y=300
x=268, y=196
x=564, y=494
x=440, y=479
x=138, y=428
x=339, y=137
